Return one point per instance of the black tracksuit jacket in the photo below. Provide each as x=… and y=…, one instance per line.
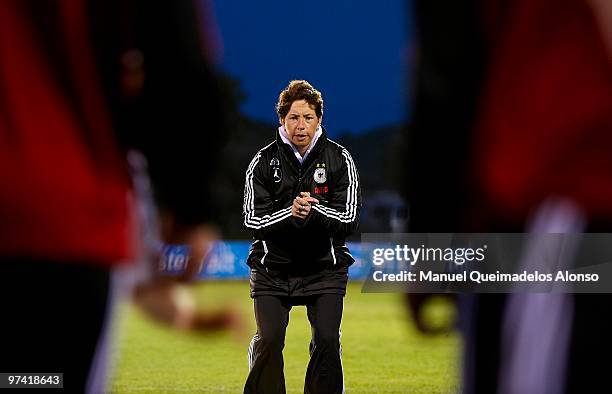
x=291, y=256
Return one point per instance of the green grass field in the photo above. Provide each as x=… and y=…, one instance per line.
x=382, y=352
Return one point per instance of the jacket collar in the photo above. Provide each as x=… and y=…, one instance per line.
x=287, y=150
x=285, y=137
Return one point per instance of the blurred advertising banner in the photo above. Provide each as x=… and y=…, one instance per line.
x=227, y=260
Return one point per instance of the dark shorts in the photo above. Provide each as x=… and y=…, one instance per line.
x=293, y=283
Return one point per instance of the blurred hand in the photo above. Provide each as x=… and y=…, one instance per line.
x=227, y=318
x=199, y=239
x=167, y=302
x=174, y=304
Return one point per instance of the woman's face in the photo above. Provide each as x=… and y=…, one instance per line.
x=301, y=123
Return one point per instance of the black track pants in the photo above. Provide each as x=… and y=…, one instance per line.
x=324, y=373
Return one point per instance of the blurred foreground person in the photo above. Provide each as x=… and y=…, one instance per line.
x=81, y=82
x=301, y=200
x=515, y=98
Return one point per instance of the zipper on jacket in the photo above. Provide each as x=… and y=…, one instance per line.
x=303, y=171
x=298, y=186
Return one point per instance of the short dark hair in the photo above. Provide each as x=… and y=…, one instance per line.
x=299, y=90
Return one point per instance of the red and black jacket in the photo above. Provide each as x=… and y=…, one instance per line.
x=80, y=83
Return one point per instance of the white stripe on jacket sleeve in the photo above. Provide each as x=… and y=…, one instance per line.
x=248, y=208
x=350, y=213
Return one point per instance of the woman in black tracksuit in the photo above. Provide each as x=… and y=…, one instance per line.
x=301, y=200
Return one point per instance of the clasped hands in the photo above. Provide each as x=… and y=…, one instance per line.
x=302, y=205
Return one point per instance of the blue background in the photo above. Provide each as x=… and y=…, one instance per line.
x=354, y=52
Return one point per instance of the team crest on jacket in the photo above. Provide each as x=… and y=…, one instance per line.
x=320, y=176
